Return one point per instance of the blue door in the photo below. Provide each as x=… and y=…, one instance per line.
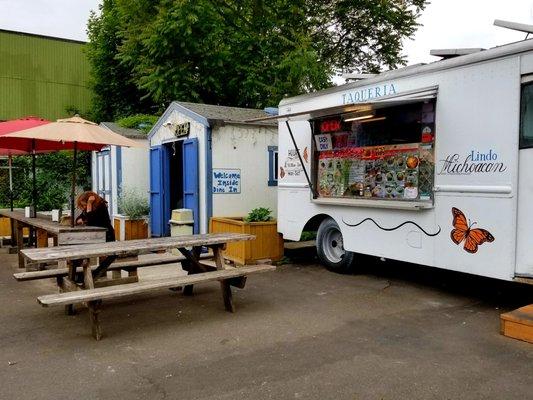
x=157, y=225
x=190, y=180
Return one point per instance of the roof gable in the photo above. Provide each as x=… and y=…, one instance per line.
x=207, y=114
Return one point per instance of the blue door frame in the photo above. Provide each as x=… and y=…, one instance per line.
x=191, y=198
x=160, y=211
x=159, y=191
x=156, y=191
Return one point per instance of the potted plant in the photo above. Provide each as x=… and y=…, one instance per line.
x=132, y=220
x=259, y=222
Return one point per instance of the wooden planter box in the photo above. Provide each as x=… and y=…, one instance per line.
x=130, y=229
x=268, y=243
x=5, y=228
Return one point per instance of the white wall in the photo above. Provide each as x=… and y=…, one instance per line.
x=246, y=148
x=136, y=169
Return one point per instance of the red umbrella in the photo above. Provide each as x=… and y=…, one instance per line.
x=14, y=126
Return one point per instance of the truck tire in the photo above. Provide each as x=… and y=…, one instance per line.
x=330, y=248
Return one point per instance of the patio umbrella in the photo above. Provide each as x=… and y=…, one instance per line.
x=14, y=126
x=73, y=133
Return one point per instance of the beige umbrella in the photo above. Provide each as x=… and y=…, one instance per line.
x=73, y=133
x=65, y=134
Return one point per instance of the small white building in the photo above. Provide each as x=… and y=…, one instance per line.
x=117, y=168
x=209, y=159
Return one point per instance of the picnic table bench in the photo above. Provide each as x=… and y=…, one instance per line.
x=92, y=292
x=45, y=228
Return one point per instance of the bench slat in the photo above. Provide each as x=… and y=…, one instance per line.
x=130, y=247
x=53, y=273
x=113, y=292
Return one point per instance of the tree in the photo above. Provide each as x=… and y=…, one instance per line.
x=114, y=91
x=248, y=53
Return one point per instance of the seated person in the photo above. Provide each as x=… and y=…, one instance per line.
x=94, y=213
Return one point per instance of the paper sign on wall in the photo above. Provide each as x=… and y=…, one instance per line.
x=226, y=180
x=323, y=142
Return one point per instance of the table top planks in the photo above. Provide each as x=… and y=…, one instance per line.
x=130, y=247
x=45, y=222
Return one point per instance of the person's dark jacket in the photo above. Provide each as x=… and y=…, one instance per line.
x=100, y=217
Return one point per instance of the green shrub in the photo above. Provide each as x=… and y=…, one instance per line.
x=308, y=235
x=133, y=203
x=260, y=214
x=142, y=122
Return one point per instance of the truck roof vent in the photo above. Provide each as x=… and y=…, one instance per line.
x=271, y=110
x=515, y=26
x=357, y=77
x=450, y=53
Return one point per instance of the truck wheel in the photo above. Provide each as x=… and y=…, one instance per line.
x=330, y=248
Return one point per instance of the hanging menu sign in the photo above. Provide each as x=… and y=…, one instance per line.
x=390, y=172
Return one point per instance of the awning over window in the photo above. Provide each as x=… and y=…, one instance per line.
x=410, y=97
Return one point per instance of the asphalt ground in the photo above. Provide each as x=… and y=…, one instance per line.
x=393, y=331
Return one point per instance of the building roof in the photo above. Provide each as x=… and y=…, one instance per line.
x=42, y=36
x=126, y=132
x=225, y=114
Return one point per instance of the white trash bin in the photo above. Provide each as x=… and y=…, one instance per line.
x=182, y=223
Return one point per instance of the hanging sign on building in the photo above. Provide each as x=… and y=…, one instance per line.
x=226, y=180
x=182, y=129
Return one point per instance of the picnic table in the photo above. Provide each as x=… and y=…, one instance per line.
x=45, y=228
x=92, y=292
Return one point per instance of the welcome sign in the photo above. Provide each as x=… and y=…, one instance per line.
x=226, y=180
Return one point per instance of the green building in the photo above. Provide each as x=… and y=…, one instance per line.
x=42, y=76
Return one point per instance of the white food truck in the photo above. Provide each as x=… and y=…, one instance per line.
x=430, y=164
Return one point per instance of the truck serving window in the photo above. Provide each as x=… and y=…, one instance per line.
x=385, y=153
x=526, y=116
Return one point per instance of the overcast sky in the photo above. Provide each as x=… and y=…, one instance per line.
x=447, y=23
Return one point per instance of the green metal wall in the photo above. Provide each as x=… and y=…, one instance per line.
x=41, y=76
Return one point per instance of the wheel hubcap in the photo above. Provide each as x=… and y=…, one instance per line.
x=333, y=246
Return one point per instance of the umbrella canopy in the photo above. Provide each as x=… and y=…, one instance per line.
x=73, y=133
x=64, y=134
x=15, y=125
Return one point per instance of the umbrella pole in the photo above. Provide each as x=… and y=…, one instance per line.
x=34, y=176
x=73, y=189
x=11, y=181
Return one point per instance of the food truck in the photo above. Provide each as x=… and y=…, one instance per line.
x=430, y=164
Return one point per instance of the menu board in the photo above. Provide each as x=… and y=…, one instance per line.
x=382, y=172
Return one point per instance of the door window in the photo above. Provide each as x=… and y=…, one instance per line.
x=526, y=116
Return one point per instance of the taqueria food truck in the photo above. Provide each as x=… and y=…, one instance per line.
x=429, y=164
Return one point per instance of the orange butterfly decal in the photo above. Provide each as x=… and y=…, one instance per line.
x=463, y=231
x=281, y=172
x=306, y=155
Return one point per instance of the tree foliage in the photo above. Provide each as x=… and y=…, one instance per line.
x=53, y=179
x=141, y=122
x=115, y=92
x=248, y=53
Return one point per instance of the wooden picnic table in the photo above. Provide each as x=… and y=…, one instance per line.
x=92, y=292
x=45, y=228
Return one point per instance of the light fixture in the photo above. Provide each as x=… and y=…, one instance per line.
x=374, y=119
x=357, y=117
